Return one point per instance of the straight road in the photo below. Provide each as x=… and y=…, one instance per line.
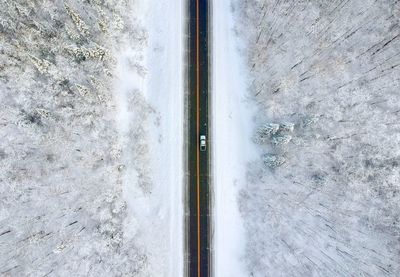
x=198, y=161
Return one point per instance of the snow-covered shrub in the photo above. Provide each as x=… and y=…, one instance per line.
x=265, y=132
x=79, y=23
x=41, y=65
x=286, y=127
x=281, y=139
x=273, y=160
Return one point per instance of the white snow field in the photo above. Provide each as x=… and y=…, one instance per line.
x=232, y=146
x=91, y=135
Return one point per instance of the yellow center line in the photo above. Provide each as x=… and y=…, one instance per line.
x=197, y=127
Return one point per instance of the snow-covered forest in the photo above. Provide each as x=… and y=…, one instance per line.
x=78, y=196
x=324, y=197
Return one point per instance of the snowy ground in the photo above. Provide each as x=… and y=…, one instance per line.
x=232, y=145
x=325, y=201
x=159, y=213
x=85, y=136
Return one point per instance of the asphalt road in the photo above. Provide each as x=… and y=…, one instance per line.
x=198, y=161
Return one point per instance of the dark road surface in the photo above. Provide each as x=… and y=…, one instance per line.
x=198, y=161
